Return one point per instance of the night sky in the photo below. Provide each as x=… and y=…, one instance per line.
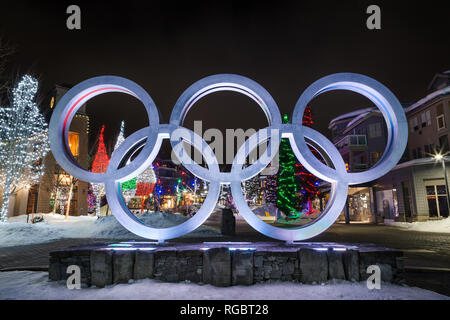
x=285, y=46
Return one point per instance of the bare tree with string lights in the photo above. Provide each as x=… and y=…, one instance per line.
x=23, y=141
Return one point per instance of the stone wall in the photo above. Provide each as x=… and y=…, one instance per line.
x=222, y=266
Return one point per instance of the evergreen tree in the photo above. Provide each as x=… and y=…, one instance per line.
x=99, y=165
x=286, y=182
x=308, y=183
x=23, y=141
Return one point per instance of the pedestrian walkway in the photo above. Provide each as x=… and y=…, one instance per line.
x=35, y=255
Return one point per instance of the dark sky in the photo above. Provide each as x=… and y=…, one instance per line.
x=285, y=46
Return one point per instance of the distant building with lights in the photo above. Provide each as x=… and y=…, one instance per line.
x=414, y=190
x=40, y=198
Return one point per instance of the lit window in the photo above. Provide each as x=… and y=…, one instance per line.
x=74, y=141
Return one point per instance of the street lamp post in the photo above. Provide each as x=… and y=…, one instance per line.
x=441, y=158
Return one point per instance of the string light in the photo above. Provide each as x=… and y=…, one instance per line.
x=287, y=184
x=23, y=141
x=309, y=183
x=99, y=165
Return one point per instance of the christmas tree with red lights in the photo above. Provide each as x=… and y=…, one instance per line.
x=99, y=165
x=309, y=183
x=101, y=158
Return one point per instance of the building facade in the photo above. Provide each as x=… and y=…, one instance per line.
x=415, y=189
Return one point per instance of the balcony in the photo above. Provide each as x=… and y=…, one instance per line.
x=354, y=142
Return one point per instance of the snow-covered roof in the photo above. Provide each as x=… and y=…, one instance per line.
x=418, y=162
x=362, y=116
x=428, y=98
x=350, y=115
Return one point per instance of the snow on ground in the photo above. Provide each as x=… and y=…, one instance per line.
x=442, y=226
x=17, y=232
x=35, y=285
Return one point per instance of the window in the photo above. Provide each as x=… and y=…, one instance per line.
x=428, y=117
x=413, y=124
x=361, y=131
x=414, y=154
x=424, y=119
x=357, y=140
x=74, y=142
x=440, y=189
x=374, y=157
x=375, y=130
x=440, y=122
x=437, y=201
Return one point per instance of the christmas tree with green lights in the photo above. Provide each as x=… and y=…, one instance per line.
x=286, y=178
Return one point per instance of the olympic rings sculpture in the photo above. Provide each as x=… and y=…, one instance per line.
x=152, y=136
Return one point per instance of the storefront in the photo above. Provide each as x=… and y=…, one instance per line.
x=387, y=204
x=413, y=191
x=436, y=198
x=359, y=204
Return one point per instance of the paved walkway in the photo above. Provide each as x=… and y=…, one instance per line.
x=35, y=255
x=421, y=249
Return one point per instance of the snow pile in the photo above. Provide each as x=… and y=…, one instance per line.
x=18, y=232
x=442, y=226
x=35, y=285
x=109, y=228
x=269, y=208
x=296, y=222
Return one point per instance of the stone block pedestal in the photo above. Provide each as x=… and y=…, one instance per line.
x=224, y=264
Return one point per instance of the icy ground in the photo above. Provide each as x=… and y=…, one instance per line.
x=35, y=285
x=442, y=226
x=17, y=232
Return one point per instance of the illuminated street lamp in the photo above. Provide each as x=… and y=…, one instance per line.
x=441, y=158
